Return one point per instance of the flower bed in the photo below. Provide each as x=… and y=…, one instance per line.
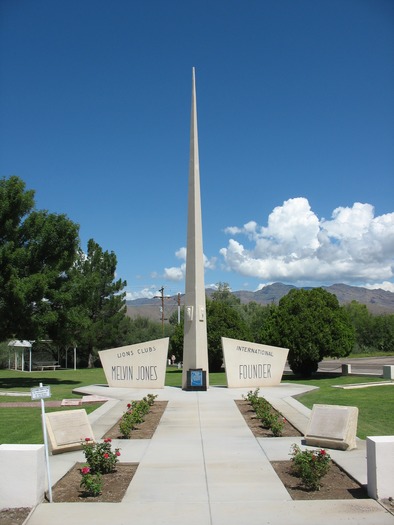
x=336, y=484
x=114, y=485
x=143, y=430
x=255, y=425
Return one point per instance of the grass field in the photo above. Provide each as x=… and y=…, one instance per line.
x=375, y=403
x=62, y=382
x=23, y=425
x=359, y=355
x=174, y=378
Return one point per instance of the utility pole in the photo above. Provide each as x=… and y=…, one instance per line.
x=161, y=296
x=179, y=308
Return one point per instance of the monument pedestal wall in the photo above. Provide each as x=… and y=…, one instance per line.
x=23, y=475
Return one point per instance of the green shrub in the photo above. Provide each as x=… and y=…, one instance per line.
x=135, y=414
x=126, y=424
x=277, y=425
x=92, y=483
x=269, y=419
x=150, y=399
x=310, y=466
x=252, y=397
x=99, y=456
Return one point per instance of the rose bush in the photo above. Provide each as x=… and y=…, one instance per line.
x=275, y=422
x=310, y=466
x=92, y=483
x=99, y=456
x=135, y=414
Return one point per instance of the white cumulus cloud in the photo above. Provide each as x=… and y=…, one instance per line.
x=385, y=285
x=177, y=273
x=148, y=291
x=353, y=246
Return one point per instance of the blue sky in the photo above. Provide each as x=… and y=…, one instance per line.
x=296, y=133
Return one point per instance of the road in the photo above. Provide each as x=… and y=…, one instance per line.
x=364, y=365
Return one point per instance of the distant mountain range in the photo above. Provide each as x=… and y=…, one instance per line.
x=378, y=301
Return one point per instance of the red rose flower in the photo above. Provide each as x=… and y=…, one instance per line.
x=117, y=453
x=85, y=470
x=106, y=456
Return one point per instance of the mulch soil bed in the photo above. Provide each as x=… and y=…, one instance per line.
x=336, y=484
x=115, y=484
x=144, y=430
x=255, y=424
x=14, y=516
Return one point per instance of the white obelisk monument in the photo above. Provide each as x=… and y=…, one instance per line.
x=195, y=345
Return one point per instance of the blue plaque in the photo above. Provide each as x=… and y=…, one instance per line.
x=196, y=378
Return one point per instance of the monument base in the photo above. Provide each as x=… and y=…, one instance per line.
x=196, y=379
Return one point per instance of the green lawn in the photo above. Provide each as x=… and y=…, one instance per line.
x=23, y=425
x=62, y=382
x=375, y=404
x=174, y=378
x=360, y=355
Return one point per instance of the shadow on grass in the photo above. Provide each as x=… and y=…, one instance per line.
x=289, y=376
x=174, y=371
x=30, y=382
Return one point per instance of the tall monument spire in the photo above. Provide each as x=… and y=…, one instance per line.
x=195, y=345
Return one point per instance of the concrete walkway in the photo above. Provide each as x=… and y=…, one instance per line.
x=203, y=466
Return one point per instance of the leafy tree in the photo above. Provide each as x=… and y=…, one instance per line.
x=98, y=300
x=363, y=322
x=176, y=335
x=144, y=329
x=224, y=319
x=313, y=325
x=383, y=332
x=36, y=248
x=49, y=288
x=176, y=341
x=224, y=295
x=255, y=316
x=373, y=332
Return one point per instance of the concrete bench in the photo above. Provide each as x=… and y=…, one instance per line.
x=45, y=366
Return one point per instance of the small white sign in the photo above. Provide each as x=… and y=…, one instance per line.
x=40, y=392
